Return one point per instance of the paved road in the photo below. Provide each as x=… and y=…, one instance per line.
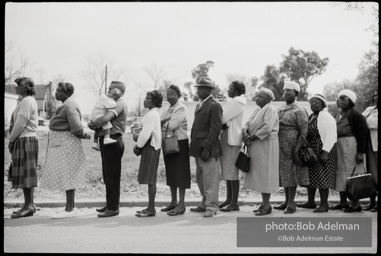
x=188, y=233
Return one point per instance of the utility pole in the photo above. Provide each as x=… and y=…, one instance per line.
x=106, y=80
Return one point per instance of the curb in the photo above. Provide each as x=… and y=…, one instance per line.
x=142, y=203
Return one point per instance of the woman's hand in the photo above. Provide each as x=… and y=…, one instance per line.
x=324, y=157
x=359, y=157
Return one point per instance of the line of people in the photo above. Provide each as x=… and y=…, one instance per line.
x=274, y=136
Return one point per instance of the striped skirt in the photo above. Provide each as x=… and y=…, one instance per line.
x=149, y=163
x=65, y=164
x=24, y=162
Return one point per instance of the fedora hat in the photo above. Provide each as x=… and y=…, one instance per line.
x=205, y=82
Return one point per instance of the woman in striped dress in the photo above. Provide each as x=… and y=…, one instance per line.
x=65, y=164
x=23, y=145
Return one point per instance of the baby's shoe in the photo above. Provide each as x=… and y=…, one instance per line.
x=96, y=147
x=108, y=141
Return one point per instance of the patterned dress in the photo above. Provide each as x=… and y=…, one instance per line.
x=322, y=176
x=290, y=118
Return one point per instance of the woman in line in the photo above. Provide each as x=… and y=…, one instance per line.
x=65, y=164
x=293, y=129
x=322, y=137
x=231, y=142
x=371, y=115
x=148, y=146
x=177, y=167
x=352, y=132
x=23, y=145
x=261, y=132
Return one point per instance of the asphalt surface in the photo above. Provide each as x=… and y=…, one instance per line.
x=126, y=233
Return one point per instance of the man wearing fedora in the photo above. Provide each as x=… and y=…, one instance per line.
x=205, y=146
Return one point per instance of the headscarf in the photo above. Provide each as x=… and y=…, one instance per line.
x=291, y=85
x=350, y=94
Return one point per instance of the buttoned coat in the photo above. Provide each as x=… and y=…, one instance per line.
x=206, y=129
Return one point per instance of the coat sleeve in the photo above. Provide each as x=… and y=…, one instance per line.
x=215, y=126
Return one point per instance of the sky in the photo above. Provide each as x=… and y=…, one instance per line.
x=239, y=37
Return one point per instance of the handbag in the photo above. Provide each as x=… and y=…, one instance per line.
x=170, y=143
x=306, y=155
x=243, y=160
x=360, y=186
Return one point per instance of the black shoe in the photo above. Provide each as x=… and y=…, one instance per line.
x=197, y=209
x=103, y=209
x=108, y=213
x=263, y=211
x=169, y=208
x=339, y=207
x=280, y=206
x=22, y=214
x=306, y=205
x=350, y=209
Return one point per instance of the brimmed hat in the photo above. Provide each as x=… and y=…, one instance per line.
x=205, y=82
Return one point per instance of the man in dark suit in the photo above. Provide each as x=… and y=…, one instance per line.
x=205, y=146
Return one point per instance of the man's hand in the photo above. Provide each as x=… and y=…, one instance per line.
x=205, y=155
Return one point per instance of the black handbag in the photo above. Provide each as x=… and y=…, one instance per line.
x=243, y=160
x=306, y=155
x=170, y=143
x=360, y=186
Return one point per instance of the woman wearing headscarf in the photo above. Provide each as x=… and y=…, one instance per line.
x=231, y=142
x=65, y=164
x=148, y=146
x=174, y=121
x=23, y=145
x=261, y=132
x=322, y=137
x=293, y=129
x=371, y=115
x=352, y=132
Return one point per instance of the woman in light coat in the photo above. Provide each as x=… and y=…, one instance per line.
x=261, y=132
x=231, y=142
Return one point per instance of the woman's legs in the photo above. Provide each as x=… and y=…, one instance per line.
x=70, y=200
x=151, y=198
x=228, y=194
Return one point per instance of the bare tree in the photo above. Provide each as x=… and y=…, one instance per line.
x=16, y=63
x=156, y=73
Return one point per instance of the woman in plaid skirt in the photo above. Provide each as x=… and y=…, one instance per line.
x=23, y=145
x=148, y=146
x=65, y=167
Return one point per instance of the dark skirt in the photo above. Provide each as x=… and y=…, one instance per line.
x=149, y=163
x=24, y=162
x=177, y=167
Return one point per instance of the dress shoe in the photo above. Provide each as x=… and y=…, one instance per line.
x=108, y=213
x=169, y=208
x=264, y=211
x=351, y=209
x=23, y=213
x=369, y=207
x=320, y=209
x=280, y=206
x=289, y=210
x=103, y=209
x=197, y=209
x=230, y=208
x=209, y=213
x=222, y=205
x=175, y=212
x=306, y=205
x=259, y=209
x=339, y=207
